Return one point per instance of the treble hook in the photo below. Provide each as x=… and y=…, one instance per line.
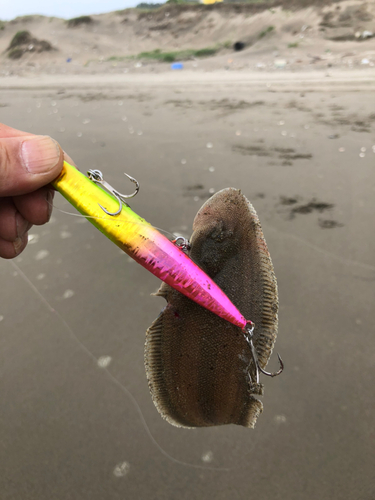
x=249, y=331
x=182, y=243
x=273, y=374
x=97, y=177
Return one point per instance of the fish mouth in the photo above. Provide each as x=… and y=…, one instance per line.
x=256, y=388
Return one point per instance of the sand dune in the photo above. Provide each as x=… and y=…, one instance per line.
x=319, y=36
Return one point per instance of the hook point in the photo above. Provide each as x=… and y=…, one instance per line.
x=273, y=374
x=137, y=186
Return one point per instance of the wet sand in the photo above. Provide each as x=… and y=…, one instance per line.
x=77, y=419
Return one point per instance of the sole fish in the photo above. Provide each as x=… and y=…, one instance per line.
x=198, y=365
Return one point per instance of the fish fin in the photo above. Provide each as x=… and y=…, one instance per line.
x=163, y=291
x=266, y=330
x=255, y=408
x=154, y=368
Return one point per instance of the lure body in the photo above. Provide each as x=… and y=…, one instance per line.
x=146, y=245
x=198, y=366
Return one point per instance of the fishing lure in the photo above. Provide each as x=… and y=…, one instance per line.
x=198, y=366
x=107, y=210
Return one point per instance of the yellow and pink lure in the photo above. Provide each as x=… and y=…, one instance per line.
x=146, y=245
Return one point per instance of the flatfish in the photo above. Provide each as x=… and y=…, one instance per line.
x=199, y=366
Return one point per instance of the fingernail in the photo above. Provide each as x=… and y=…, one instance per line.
x=49, y=197
x=18, y=245
x=40, y=154
x=22, y=225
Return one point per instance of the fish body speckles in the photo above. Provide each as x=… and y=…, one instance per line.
x=198, y=365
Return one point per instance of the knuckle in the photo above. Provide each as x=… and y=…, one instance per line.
x=5, y=165
x=4, y=156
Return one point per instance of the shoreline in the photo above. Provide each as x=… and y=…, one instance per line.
x=349, y=81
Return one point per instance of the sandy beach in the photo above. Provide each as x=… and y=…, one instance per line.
x=77, y=419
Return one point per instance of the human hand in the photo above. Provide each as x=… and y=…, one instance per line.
x=28, y=163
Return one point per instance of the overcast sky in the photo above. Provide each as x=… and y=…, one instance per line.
x=9, y=9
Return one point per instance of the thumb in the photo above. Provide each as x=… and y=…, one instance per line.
x=28, y=163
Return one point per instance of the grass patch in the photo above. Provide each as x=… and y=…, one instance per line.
x=20, y=38
x=293, y=45
x=172, y=56
x=15, y=53
x=266, y=31
x=114, y=58
x=148, y=6
x=77, y=21
x=181, y=55
x=23, y=42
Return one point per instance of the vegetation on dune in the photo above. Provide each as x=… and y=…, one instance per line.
x=177, y=55
x=247, y=7
x=109, y=59
x=20, y=38
x=26, y=19
x=182, y=55
x=23, y=41
x=176, y=2
x=176, y=7
x=264, y=2
x=266, y=31
x=148, y=6
x=158, y=55
x=77, y=21
x=15, y=53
